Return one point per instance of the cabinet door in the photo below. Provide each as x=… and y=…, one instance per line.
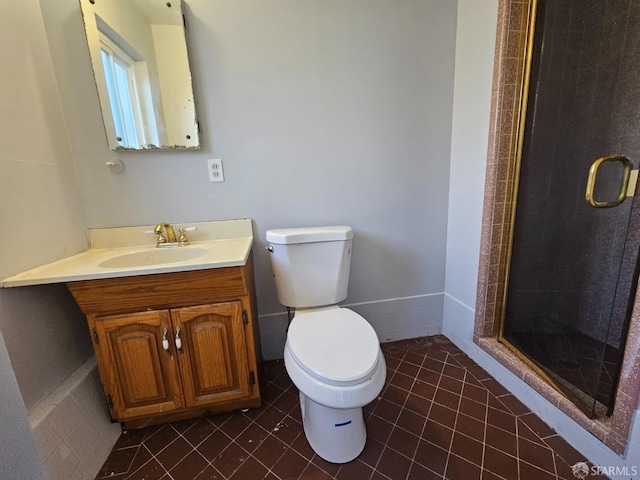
x=213, y=360
x=143, y=377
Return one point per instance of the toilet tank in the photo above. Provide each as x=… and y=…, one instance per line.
x=310, y=265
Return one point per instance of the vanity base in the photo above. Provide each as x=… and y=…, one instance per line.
x=158, y=419
x=174, y=346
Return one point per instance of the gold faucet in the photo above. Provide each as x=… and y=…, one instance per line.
x=166, y=238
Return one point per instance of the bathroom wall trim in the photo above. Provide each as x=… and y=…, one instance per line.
x=394, y=299
x=392, y=319
x=513, y=20
x=371, y=302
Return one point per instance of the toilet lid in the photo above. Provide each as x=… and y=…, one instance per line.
x=336, y=346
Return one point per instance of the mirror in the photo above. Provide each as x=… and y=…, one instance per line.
x=140, y=64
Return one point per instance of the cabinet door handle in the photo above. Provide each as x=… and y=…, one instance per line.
x=178, y=340
x=165, y=341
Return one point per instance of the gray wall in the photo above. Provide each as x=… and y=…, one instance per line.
x=325, y=112
x=46, y=336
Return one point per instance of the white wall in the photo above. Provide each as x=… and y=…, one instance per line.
x=472, y=101
x=475, y=44
x=326, y=112
x=41, y=210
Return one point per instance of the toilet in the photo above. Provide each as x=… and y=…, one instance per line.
x=332, y=354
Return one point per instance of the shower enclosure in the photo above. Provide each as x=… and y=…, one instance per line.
x=576, y=232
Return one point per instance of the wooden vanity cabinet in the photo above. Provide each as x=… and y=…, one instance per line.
x=139, y=378
x=175, y=345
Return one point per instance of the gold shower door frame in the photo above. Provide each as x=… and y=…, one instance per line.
x=627, y=188
x=520, y=132
x=508, y=109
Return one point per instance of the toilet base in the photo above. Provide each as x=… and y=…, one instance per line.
x=335, y=434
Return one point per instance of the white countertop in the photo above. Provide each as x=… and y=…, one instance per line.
x=219, y=244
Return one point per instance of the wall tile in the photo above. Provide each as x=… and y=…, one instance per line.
x=47, y=438
x=62, y=463
x=65, y=416
x=77, y=435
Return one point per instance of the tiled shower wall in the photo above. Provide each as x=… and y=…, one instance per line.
x=584, y=109
x=497, y=217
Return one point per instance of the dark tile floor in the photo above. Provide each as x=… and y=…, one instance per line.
x=440, y=416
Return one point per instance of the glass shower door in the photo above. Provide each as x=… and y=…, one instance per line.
x=574, y=252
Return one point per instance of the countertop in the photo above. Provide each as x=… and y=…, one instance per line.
x=225, y=243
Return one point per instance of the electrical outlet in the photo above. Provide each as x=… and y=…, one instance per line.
x=216, y=174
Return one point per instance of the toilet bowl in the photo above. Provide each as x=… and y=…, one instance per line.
x=333, y=356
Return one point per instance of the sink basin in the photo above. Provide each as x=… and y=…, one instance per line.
x=155, y=256
x=129, y=251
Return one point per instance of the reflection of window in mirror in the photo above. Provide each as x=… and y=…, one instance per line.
x=118, y=72
x=128, y=91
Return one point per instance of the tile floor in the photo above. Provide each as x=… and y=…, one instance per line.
x=587, y=367
x=440, y=416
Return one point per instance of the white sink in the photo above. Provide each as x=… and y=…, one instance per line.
x=129, y=251
x=155, y=256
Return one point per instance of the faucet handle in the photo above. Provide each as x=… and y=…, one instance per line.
x=159, y=237
x=182, y=238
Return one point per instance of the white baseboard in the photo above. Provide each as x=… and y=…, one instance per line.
x=392, y=319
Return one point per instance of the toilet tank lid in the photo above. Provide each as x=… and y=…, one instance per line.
x=286, y=236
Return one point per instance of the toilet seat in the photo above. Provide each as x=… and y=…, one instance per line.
x=335, y=346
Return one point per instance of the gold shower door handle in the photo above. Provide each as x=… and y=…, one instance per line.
x=627, y=187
